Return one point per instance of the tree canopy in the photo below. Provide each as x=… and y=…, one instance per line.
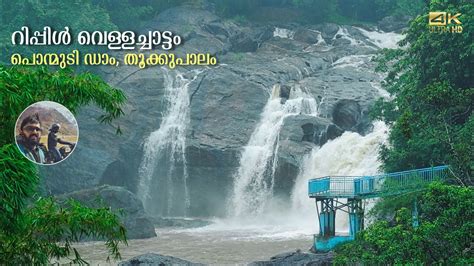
x=430, y=114
x=444, y=235
x=431, y=82
x=34, y=229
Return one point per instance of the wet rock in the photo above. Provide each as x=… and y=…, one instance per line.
x=298, y=135
x=304, y=128
x=152, y=259
x=306, y=35
x=217, y=28
x=242, y=43
x=289, y=156
x=180, y=222
x=328, y=30
x=119, y=173
x=347, y=114
x=209, y=187
x=332, y=132
x=285, y=92
x=226, y=103
x=137, y=223
x=297, y=258
x=393, y=23
x=339, y=41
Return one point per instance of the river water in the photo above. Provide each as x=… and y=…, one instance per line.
x=239, y=240
x=206, y=246
x=252, y=234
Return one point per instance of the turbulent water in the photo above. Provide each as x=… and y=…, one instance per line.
x=163, y=166
x=216, y=248
x=283, y=33
x=382, y=39
x=256, y=227
x=350, y=154
x=239, y=240
x=254, y=180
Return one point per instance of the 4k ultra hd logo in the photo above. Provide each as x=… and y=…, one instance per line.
x=441, y=22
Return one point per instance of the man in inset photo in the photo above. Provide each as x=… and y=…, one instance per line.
x=53, y=141
x=29, y=139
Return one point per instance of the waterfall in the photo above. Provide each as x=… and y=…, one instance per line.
x=382, y=39
x=283, y=33
x=344, y=34
x=355, y=61
x=254, y=180
x=163, y=174
x=349, y=154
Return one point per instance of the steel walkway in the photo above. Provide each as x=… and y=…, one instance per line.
x=330, y=191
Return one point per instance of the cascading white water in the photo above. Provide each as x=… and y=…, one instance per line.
x=281, y=229
x=355, y=61
x=283, y=33
x=165, y=148
x=253, y=182
x=344, y=34
x=382, y=39
x=350, y=154
x=321, y=40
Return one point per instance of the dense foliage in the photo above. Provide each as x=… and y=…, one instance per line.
x=444, y=235
x=316, y=11
x=431, y=82
x=34, y=229
x=101, y=15
x=431, y=120
x=77, y=15
x=20, y=87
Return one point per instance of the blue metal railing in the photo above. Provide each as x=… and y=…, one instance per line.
x=373, y=186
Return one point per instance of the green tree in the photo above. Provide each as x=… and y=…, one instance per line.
x=430, y=114
x=432, y=87
x=127, y=14
x=443, y=237
x=34, y=229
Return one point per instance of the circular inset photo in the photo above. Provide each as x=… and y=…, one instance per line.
x=46, y=132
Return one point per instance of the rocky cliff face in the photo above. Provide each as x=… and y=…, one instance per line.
x=330, y=62
x=132, y=216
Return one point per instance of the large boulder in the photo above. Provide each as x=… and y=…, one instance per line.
x=394, y=23
x=138, y=224
x=225, y=105
x=328, y=30
x=297, y=258
x=346, y=114
x=153, y=259
x=306, y=35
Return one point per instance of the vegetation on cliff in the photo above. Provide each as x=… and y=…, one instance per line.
x=431, y=120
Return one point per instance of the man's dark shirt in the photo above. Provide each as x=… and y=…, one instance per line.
x=36, y=153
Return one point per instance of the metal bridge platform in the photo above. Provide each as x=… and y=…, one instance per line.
x=347, y=193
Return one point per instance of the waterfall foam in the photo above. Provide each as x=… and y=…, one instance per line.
x=350, y=154
x=283, y=33
x=253, y=182
x=382, y=39
x=165, y=147
x=344, y=34
x=355, y=61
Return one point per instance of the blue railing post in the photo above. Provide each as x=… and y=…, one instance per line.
x=356, y=216
x=327, y=218
x=357, y=186
x=355, y=189
x=415, y=214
